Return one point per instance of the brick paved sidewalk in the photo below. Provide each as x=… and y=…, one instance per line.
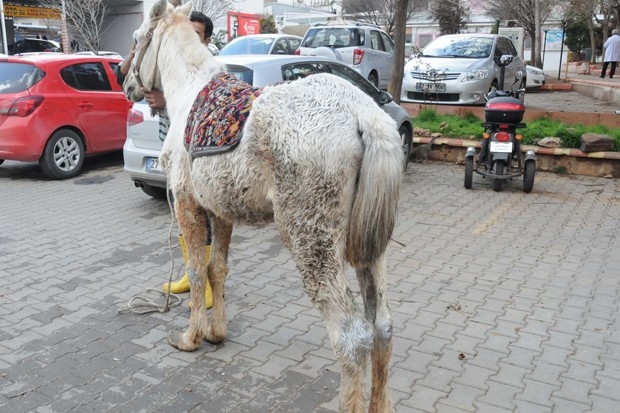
x=555, y=99
x=502, y=302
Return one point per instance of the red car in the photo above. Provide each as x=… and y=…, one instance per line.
x=57, y=108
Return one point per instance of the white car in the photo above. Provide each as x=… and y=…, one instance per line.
x=142, y=147
x=262, y=44
x=535, y=77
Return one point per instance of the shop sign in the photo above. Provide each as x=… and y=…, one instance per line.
x=32, y=12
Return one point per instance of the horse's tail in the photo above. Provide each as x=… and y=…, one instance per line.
x=373, y=212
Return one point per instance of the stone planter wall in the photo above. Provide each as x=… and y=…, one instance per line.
x=576, y=162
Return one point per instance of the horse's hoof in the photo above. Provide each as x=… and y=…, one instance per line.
x=218, y=344
x=175, y=339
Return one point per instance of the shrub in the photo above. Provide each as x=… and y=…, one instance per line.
x=469, y=126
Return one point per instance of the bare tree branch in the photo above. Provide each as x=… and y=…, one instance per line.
x=522, y=12
x=84, y=20
x=381, y=13
x=214, y=9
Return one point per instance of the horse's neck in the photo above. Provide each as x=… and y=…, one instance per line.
x=186, y=66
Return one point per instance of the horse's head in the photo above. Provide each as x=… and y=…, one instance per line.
x=144, y=74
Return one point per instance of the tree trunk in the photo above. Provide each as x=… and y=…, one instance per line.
x=535, y=57
x=592, y=43
x=535, y=54
x=400, y=31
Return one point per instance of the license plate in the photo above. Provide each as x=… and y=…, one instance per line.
x=431, y=87
x=153, y=165
x=503, y=147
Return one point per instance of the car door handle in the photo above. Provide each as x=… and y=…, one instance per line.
x=86, y=105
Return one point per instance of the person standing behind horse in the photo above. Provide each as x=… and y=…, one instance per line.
x=612, y=53
x=203, y=26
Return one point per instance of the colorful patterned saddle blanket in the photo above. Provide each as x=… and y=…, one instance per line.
x=215, y=122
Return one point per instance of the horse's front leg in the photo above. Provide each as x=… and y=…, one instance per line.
x=192, y=222
x=218, y=270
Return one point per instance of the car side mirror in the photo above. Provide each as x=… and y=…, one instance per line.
x=384, y=98
x=505, y=60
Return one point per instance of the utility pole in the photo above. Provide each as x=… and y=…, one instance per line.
x=536, y=58
x=5, y=47
x=64, y=34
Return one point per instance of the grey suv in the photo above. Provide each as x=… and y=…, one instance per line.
x=366, y=49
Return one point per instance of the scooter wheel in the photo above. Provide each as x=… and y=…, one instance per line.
x=529, y=171
x=499, y=170
x=469, y=172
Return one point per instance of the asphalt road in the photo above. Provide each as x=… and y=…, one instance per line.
x=502, y=302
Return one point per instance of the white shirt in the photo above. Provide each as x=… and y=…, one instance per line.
x=612, y=49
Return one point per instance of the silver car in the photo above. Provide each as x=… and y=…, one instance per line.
x=262, y=44
x=367, y=49
x=460, y=69
x=142, y=147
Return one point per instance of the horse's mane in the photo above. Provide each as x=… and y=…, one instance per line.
x=181, y=45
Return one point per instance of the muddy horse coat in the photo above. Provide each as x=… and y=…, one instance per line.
x=319, y=158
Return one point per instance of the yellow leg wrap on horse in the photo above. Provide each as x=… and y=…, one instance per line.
x=182, y=285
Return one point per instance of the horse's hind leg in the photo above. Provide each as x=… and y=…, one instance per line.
x=192, y=221
x=319, y=257
x=373, y=286
x=349, y=332
x=218, y=269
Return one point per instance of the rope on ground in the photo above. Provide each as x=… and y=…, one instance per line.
x=140, y=304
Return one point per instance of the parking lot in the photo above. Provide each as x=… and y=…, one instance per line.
x=502, y=302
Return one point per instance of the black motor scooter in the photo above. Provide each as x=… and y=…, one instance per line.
x=500, y=156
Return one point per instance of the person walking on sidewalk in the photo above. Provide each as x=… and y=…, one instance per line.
x=612, y=53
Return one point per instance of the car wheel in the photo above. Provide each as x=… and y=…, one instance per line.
x=493, y=86
x=372, y=78
x=154, y=192
x=63, y=156
x=406, y=139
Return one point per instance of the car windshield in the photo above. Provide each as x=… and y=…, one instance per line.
x=335, y=37
x=17, y=77
x=466, y=47
x=247, y=45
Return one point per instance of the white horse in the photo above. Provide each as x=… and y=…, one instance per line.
x=318, y=157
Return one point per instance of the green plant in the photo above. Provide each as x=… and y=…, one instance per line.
x=453, y=126
x=449, y=125
x=268, y=25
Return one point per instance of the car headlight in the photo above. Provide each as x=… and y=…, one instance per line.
x=478, y=74
x=535, y=71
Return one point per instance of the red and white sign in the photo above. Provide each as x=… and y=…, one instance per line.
x=241, y=24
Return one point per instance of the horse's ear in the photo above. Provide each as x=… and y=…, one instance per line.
x=186, y=9
x=159, y=9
